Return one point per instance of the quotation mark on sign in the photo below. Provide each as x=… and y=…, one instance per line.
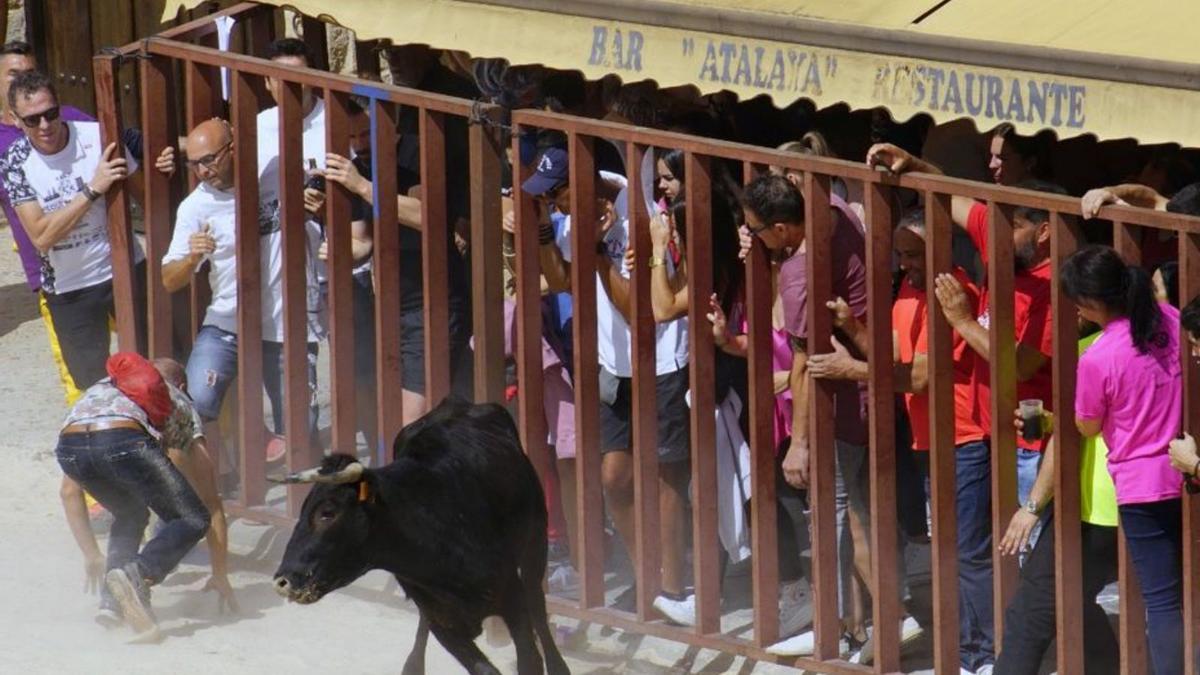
x=689, y=46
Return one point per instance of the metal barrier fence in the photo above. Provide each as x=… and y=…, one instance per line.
x=192, y=47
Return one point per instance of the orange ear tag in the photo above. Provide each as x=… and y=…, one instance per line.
x=364, y=492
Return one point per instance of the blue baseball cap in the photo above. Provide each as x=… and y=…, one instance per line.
x=552, y=171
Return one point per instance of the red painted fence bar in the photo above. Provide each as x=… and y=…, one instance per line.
x=295, y=288
x=190, y=50
x=882, y=423
x=942, y=474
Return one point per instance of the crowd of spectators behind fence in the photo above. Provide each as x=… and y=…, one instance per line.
x=1129, y=378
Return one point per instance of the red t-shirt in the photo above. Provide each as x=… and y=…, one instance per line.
x=910, y=314
x=1032, y=314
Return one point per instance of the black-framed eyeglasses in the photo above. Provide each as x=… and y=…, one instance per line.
x=757, y=230
x=208, y=161
x=35, y=120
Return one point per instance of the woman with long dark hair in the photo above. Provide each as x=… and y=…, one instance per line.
x=1129, y=388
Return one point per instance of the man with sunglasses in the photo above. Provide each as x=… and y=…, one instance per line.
x=774, y=213
x=206, y=231
x=55, y=177
x=15, y=58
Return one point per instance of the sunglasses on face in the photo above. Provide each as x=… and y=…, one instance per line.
x=208, y=161
x=35, y=120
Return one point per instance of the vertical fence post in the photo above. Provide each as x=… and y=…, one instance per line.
x=386, y=273
x=294, y=244
x=434, y=255
x=120, y=228
x=528, y=316
x=705, y=540
x=157, y=133
x=585, y=296
x=1189, y=288
x=764, y=540
x=339, y=272
x=942, y=460
x=487, y=261
x=202, y=101
x=884, y=570
x=648, y=519
x=1127, y=239
x=818, y=220
x=1065, y=238
x=1002, y=371
x=249, y=285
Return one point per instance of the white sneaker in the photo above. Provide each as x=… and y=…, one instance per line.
x=497, y=632
x=562, y=579
x=795, y=610
x=682, y=612
x=985, y=669
x=803, y=644
x=910, y=631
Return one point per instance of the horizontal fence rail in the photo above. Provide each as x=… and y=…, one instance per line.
x=184, y=63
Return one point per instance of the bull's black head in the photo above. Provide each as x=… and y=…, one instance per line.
x=328, y=546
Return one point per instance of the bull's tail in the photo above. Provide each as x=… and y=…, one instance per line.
x=533, y=572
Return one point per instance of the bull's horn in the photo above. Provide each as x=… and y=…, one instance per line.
x=348, y=474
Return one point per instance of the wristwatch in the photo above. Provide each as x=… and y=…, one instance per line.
x=88, y=193
x=656, y=261
x=1031, y=506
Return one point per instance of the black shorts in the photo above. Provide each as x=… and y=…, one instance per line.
x=674, y=417
x=412, y=346
x=81, y=322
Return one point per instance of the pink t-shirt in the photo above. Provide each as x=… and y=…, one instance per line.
x=1139, y=399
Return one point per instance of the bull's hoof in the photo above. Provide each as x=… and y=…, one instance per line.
x=414, y=666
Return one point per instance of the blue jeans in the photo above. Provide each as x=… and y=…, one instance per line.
x=973, y=502
x=1154, y=534
x=213, y=365
x=1028, y=462
x=127, y=472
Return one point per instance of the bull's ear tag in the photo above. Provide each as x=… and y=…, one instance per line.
x=364, y=491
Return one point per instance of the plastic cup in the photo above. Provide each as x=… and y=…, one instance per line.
x=1031, y=414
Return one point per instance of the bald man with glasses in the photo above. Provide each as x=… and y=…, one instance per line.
x=206, y=231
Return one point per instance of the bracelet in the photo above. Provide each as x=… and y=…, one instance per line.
x=545, y=234
x=88, y=193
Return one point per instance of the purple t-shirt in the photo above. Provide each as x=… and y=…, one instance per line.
x=31, y=260
x=1139, y=398
x=849, y=283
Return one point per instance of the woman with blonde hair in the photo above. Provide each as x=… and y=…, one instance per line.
x=814, y=144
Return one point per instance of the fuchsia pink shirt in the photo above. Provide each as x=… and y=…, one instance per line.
x=1139, y=398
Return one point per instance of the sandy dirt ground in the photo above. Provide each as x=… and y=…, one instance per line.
x=46, y=620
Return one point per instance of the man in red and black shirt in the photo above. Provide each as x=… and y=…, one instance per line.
x=1031, y=285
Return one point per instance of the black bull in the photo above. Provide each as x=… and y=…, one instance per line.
x=459, y=517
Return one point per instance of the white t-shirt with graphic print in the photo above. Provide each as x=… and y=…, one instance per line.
x=83, y=258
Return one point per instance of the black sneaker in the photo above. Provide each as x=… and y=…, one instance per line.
x=132, y=592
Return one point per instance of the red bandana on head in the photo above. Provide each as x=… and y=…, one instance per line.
x=141, y=382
